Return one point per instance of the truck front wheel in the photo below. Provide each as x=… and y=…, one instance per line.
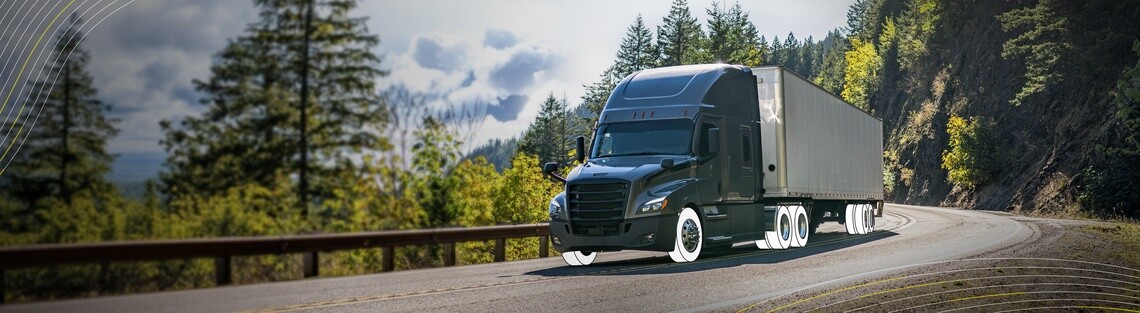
x=579, y=258
x=690, y=237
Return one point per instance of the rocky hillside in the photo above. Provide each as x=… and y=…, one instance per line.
x=1038, y=76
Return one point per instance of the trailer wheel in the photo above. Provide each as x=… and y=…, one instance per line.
x=781, y=237
x=801, y=227
x=849, y=217
x=579, y=258
x=689, y=239
x=869, y=219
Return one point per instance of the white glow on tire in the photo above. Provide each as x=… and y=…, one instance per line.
x=798, y=213
x=849, y=219
x=577, y=258
x=774, y=239
x=679, y=253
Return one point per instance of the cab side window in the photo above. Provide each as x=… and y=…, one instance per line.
x=704, y=142
x=746, y=147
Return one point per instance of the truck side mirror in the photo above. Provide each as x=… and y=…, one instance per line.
x=580, y=149
x=551, y=169
x=714, y=140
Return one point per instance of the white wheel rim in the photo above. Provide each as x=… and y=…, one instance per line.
x=689, y=229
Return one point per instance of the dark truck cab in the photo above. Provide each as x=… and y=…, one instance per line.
x=660, y=174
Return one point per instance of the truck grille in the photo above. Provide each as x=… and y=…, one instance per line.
x=597, y=209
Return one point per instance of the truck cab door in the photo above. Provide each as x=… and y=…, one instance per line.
x=711, y=169
x=742, y=186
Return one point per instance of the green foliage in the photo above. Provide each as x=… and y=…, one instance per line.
x=917, y=24
x=1041, y=41
x=679, y=37
x=253, y=121
x=861, y=75
x=1111, y=187
x=65, y=151
x=833, y=63
x=637, y=52
x=498, y=152
x=732, y=37
x=551, y=134
x=972, y=158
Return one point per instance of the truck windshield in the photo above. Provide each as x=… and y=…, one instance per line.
x=671, y=137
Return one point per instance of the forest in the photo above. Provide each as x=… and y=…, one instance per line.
x=1024, y=106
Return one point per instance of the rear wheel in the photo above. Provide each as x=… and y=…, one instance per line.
x=579, y=258
x=802, y=227
x=689, y=239
x=781, y=235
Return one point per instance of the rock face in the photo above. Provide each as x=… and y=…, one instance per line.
x=1043, y=143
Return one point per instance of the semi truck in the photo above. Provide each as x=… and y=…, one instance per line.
x=695, y=157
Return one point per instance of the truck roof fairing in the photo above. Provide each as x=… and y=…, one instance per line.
x=680, y=92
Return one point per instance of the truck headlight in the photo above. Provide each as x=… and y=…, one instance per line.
x=556, y=211
x=652, y=206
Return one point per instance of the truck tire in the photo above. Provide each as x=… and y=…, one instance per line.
x=860, y=219
x=869, y=222
x=579, y=258
x=801, y=227
x=690, y=237
x=781, y=236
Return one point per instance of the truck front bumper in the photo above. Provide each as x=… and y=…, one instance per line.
x=654, y=233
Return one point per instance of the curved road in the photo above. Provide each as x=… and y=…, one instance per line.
x=623, y=281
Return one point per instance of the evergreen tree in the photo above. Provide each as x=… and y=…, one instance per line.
x=1041, y=40
x=637, y=52
x=775, y=52
x=549, y=137
x=831, y=68
x=64, y=157
x=679, y=37
x=733, y=39
x=791, y=53
x=292, y=96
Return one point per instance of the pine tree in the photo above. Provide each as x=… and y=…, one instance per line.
x=1041, y=40
x=791, y=53
x=831, y=68
x=775, y=52
x=679, y=37
x=65, y=154
x=549, y=137
x=733, y=39
x=294, y=95
x=637, y=52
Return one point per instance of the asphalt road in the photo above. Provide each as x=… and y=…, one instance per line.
x=616, y=282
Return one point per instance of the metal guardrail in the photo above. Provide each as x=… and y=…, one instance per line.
x=224, y=249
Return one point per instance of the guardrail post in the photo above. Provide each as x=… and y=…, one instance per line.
x=389, y=259
x=222, y=274
x=500, y=250
x=3, y=287
x=543, y=246
x=311, y=263
x=449, y=254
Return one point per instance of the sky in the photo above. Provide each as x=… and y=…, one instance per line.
x=506, y=54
